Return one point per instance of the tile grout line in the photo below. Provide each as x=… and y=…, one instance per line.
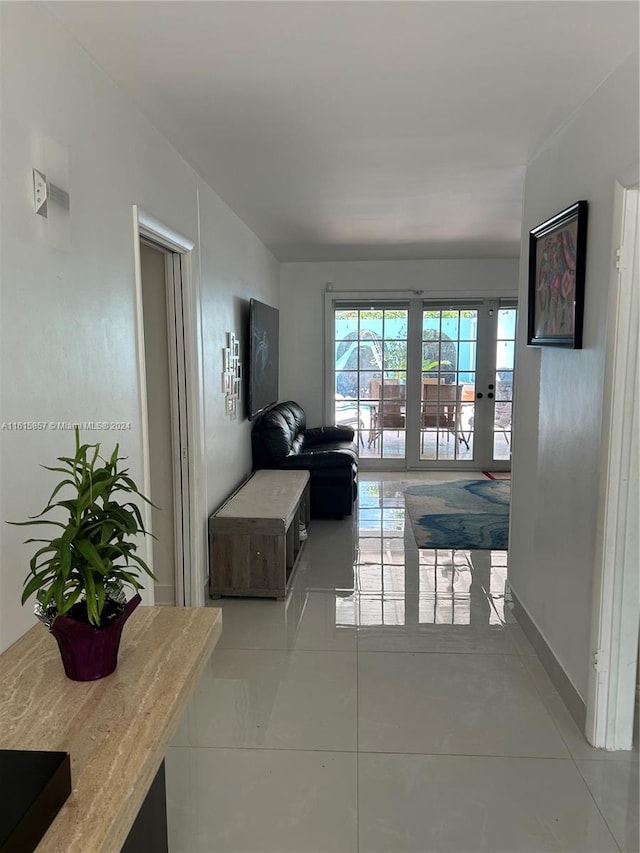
x=597, y=805
x=464, y=755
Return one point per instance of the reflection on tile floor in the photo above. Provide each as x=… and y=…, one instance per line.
x=389, y=704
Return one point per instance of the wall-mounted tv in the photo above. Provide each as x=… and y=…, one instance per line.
x=263, y=357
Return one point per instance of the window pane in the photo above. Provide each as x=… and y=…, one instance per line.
x=346, y=324
x=507, y=323
x=469, y=325
x=450, y=323
x=505, y=355
x=430, y=323
x=370, y=354
x=504, y=387
x=395, y=357
x=371, y=323
x=502, y=417
x=394, y=390
x=346, y=355
x=347, y=383
x=370, y=383
x=395, y=325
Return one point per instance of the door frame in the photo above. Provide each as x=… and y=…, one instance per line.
x=183, y=300
x=484, y=374
x=332, y=296
x=415, y=299
x=616, y=595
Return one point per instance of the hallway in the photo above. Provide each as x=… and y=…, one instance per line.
x=390, y=704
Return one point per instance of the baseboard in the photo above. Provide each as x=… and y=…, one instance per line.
x=561, y=681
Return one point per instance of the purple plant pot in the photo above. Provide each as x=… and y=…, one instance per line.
x=87, y=652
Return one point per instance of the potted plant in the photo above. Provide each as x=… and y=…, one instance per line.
x=80, y=575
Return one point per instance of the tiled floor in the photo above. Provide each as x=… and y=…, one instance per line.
x=390, y=704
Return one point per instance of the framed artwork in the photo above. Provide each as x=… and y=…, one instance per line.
x=231, y=375
x=557, y=260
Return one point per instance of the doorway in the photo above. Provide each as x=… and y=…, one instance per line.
x=426, y=384
x=169, y=365
x=159, y=330
x=616, y=594
x=466, y=393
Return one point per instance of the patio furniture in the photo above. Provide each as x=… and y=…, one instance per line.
x=441, y=410
x=502, y=419
x=390, y=409
x=347, y=414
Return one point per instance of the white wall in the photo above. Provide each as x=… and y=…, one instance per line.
x=235, y=267
x=559, y=392
x=68, y=335
x=302, y=307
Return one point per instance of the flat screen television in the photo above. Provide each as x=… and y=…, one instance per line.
x=263, y=357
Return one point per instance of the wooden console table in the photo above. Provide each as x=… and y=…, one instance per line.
x=254, y=538
x=116, y=729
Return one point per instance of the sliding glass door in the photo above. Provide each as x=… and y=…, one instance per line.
x=426, y=384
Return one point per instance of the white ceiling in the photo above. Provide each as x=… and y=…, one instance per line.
x=361, y=130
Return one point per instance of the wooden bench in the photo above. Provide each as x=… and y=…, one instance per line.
x=254, y=538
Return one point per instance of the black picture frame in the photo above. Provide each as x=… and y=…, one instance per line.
x=557, y=263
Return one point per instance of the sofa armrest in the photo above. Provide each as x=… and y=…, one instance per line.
x=328, y=433
x=335, y=459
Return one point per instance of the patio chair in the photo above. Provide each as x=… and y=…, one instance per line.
x=502, y=419
x=441, y=410
x=389, y=410
x=347, y=414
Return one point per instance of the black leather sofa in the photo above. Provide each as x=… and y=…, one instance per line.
x=280, y=439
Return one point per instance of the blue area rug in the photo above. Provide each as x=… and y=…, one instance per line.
x=463, y=514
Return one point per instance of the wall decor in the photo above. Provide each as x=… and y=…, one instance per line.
x=231, y=375
x=557, y=262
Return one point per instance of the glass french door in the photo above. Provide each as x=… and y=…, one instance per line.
x=466, y=388
x=426, y=384
x=370, y=376
x=504, y=373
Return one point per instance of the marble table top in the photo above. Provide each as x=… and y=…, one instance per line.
x=116, y=729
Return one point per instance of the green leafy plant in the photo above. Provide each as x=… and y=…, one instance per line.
x=92, y=550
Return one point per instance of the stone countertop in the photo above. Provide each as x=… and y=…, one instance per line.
x=116, y=729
